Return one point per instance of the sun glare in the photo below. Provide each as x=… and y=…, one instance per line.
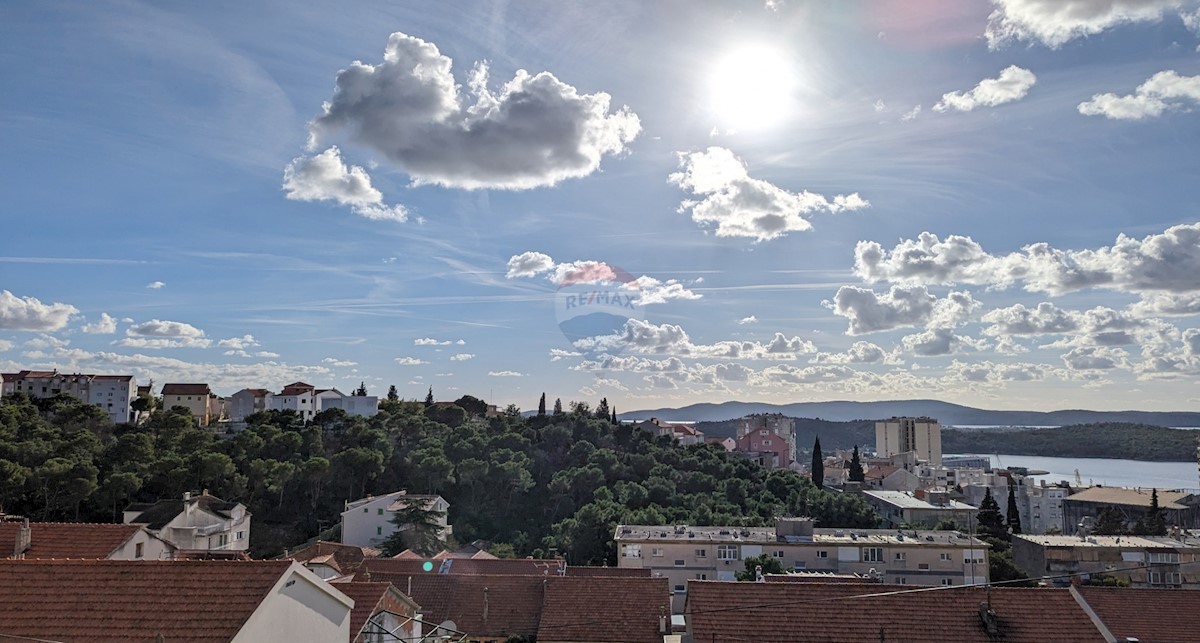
x=751, y=87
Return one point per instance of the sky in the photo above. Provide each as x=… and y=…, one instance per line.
x=987, y=202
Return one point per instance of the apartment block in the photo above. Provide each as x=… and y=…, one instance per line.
x=921, y=435
x=1143, y=561
x=196, y=398
x=766, y=433
x=927, y=508
x=682, y=553
x=112, y=393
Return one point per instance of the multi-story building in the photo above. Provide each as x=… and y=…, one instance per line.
x=766, y=430
x=112, y=393
x=62, y=540
x=308, y=400
x=682, y=553
x=1039, y=506
x=1045, y=508
x=902, y=434
x=198, y=522
x=1143, y=561
x=367, y=522
x=927, y=508
x=1180, y=508
x=246, y=402
x=196, y=398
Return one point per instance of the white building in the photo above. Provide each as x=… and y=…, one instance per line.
x=307, y=400
x=367, y=522
x=112, y=393
x=198, y=522
x=246, y=402
x=61, y=540
x=922, y=436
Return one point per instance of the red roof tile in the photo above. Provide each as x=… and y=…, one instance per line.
x=804, y=612
x=105, y=601
x=67, y=539
x=343, y=558
x=1143, y=613
x=186, y=389
x=598, y=610
x=368, y=599
x=481, y=605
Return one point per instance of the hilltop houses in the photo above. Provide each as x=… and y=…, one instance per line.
x=112, y=393
x=197, y=522
x=367, y=522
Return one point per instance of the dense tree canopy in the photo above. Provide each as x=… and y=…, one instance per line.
x=541, y=484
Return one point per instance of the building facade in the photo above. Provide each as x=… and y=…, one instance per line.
x=770, y=427
x=198, y=522
x=922, y=436
x=1143, y=561
x=198, y=399
x=112, y=393
x=924, y=508
x=681, y=553
x=246, y=402
x=367, y=522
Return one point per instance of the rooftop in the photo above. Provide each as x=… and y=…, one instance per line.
x=683, y=533
x=367, y=597
x=156, y=515
x=1131, y=613
x=619, y=610
x=186, y=389
x=67, y=539
x=1140, y=542
x=1136, y=497
x=906, y=500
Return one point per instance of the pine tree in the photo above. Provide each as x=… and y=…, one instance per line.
x=417, y=528
x=856, y=469
x=602, y=409
x=1156, y=519
x=542, y=405
x=558, y=406
x=818, y=465
x=362, y=390
x=1013, y=514
x=990, y=521
x=393, y=395
x=1110, y=522
x=429, y=398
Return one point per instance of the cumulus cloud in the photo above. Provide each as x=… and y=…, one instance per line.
x=505, y=374
x=642, y=291
x=1044, y=319
x=461, y=357
x=156, y=285
x=1056, y=22
x=1163, y=92
x=1166, y=304
x=987, y=372
x=106, y=325
x=533, y=131
x=747, y=320
x=1166, y=262
x=243, y=342
x=938, y=341
x=912, y=114
x=1191, y=339
x=1012, y=85
x=643, y=337
x=325, y=177
x=429, y=341
x=859, y=353
x=558, y=354
x=28, y=313
x=333, y=361
x=1095, y=358
x=410, y=361
x=869, y=311
x=157, y=334
x=741, y=206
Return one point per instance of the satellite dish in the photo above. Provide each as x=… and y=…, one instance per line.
x=448, y=625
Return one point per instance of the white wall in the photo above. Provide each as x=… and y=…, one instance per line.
x=152, y=548
x=301, y=608
x=369, y=524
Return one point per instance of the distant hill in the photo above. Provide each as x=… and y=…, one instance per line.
x=945, y=412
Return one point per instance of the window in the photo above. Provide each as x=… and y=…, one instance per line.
x=679, y=562
x=872, y=554
x=778, y=553
x=701, y=553
x=632, y=551
x=947, y=582
x=821, y=553
x=944, y=556
x=241, y=535
x=139, y=550
x=764, y=432
x=656, y=552
x=222, y=540
x=701, y=576
x=727, y=552
x=799, y=566
x=922, y=565
x=380, y=511
x=365, y=510
x=680, y=589
x=901, y=555
x=1159, y=557
x=766, y=443
x=1165, y=578
x=901, y=580
x=379, y=531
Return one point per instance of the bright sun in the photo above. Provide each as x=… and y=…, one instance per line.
x=752, y=87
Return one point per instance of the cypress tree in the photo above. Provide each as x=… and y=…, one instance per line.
x=392, y=394
x=1156, y=520
x=614, y=416
x=1013, y=514
x=856, y=469
x=990, y=522
x=429, y=398
x=542, y=405
x=818, y=465
x=558, y=406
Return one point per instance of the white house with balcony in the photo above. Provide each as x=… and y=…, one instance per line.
x=198, y=522
x=367, y=522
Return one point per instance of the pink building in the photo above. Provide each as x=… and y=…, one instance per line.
x=766, y=441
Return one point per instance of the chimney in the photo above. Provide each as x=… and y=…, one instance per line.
x=187, y=496
x=24, y=539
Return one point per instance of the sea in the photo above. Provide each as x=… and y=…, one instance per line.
x=1104, y=471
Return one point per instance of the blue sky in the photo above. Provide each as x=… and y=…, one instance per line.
x=992, y=203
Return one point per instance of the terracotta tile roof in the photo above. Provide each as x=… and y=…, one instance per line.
x=881, y=472
x=345, y=559
x=186, y=389
x=297, y=388
x=67, y=539
x=367, y=598
x=804, y=612
x=481, y=605
x=1142, y=613
x=156, y=515
x=256, y=392
x=609, y=609
x=105, y=601
x=113, y=377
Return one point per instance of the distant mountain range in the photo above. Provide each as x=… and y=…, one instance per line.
x=944, y=412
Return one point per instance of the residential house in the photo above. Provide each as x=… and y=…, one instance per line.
x=1143, y=561
x=198, y=522
x=110, y=601
x=681, y=553
x=246, y=402
x=298, y=397
x=331, y=560
x=770, y=428
x=729, y=444
x=367, y=522
x=768, y=446
x=922, y=436
x=196, y=398
x=1181, y=508
x=683, y=433
x=112, y=393
x=381, y=614
x=308, y=400
x=819, y=612
x=59, y=540
x=923, y=508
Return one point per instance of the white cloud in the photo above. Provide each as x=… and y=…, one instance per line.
x=410, y=361
x=741, y=206
x=332, y=361
x=1056, y=22
x=106, y=325
x=643, y=337
x=643, y=290
x=747, y=320
x=245, y=341
x=461, y=357
x=429, y=341
x=1166, y=304
x=5, y=345
x=505, y=374
x=325, y=177
x=938, y=341
x=1163, y=92
x=27, y=313
x=157, y=334
x=1092, y=358
x=534, y=131
x=912, y=114
x=529, y=264
x=557, y=354
x=156, y=285
x=1166, y=262
x=46, y=341
x=1012, y=85
x=880, y=106
x=871, y=312
x=859, y=353
x=1045, y=319
x=1191, y=339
